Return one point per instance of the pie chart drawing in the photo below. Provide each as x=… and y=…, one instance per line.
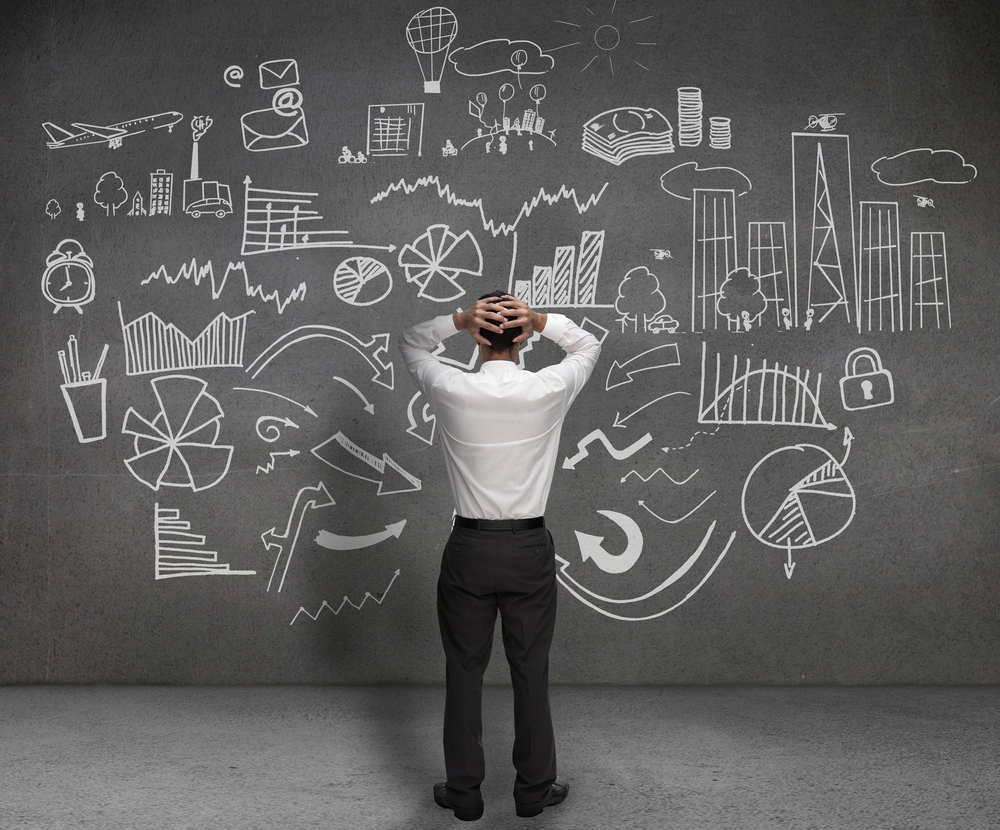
x=798, y=497
x=178, y=446
x=436, y=260
x=361, y=281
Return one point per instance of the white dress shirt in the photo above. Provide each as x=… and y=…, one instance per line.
x=500, y=426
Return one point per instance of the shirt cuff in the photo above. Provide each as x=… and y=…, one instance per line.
x=444, y=326
x=555, y=326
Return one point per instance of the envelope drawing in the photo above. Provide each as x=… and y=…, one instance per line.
x=283, y=72
x=272, y=129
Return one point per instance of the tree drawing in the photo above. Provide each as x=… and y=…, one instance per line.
x=110, y=192
x=53, y=209
x=740, y=299
x=639, y=296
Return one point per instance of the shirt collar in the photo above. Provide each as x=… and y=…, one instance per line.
x=498, y=367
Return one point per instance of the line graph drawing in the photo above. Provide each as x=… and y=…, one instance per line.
x=687, y=515
x=570, y=281
x=430, y=34
x=337, y=541
x=496, y=228
x=437, y=259
x=152, y=345
x=341, y=453
x=623, y=133
x=307, y=498
x=362, y=281
x=395, y=129
x=713, y=254
x=660, y=471
x=769, y=395
x=195, y=274
x=591, y=547
x=880, y=279
x=608, y=36
x=767, y=257
x=113, y=134
x=346, y=601
x=923, y=165
x=591, y=598
x=570, y=462
x=929, y=292
x=423, y=431
x=179, y=446
x=179, y=552
x=374, y=351
x=276, y=220
x=85, y=394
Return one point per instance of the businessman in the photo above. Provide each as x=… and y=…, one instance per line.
x=499, y=429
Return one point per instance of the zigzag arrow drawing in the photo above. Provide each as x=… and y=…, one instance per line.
x=306, y=498
x=598, y=435
x=346, y=601
x=341, y=453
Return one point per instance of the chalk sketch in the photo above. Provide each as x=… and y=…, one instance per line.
x=374, y=351
x=930, y=297
x=203, y=196
x=492, y=225
x=624, y=133
x=621, y=419
x=494, y=57
x=110, y=193
x=689, y=116
x=428, y=420
x=591, y=547
x=308, y=498
x=152, y=345
x=595, y=329
x=233, y=75
x=880, y=278
x=606, y=35
x=282, y=126
x=437, y=259
x=658, y=357
x=346, y=601
x=268, y=427
x=273, y=456
x=569, y=463
x=472, y=350
x=138, y=208
x=113, y=134
x=68, y=279
x=826, y=121
x=347, y=157
x=510, y=130
x=818, y=502
x=570, y=281
x=660, y=471
x=449, y=149
x=865, y=384
x=161, y=193
x=823, y=231
x=640, y=300
x=713, y=254
x=275, y=220
x=923, y=165
x=767, y=257
x=303, y=407
x=362, y=281
x=430, y=34
x=194, y=273
x=85, y=394
x=343, y=454
x=395, y=129
x=276, y=74
x=769, y=395
x=686, y=516
x=596, y=601
x=52, y=209
x=369, y=406
x=682, y=180
x=179, y=446
x=661, y=253
x=79, y=211
x=179, y=552
x=720, y=133
x=741, y=300
x=336, y=541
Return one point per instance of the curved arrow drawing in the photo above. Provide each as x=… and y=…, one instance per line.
x=676, y=605
x=306, y=498
x=374, y=351
x=334, y=541
x=590, y=546
x=620, y=421
x=384, y=466
x=268, y=392
x=369, y=406
x=598, y=435
x=273, y=430
x=682, y=518
x=428, y=418
x=848, y=440
x=659, y=357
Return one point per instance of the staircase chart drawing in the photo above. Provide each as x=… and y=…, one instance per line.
x=179, y=552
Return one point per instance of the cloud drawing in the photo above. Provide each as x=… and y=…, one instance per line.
x=491, y=57
x=681, y=180
x=923, y=165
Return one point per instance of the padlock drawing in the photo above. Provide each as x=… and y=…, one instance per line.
x=865, y=383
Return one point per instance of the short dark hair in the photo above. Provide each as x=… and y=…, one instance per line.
x=503, y=341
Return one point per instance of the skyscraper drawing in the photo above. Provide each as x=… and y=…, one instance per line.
x=767, y=258
x=879, y=286
x=713, y=254
x=930, y=300
x=161, y=192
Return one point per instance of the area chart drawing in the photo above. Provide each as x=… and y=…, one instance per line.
x=179, y=552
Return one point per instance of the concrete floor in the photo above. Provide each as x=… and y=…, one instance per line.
x=293, y=758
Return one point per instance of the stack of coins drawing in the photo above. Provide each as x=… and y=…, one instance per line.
x=689, y=109
x=719, y=133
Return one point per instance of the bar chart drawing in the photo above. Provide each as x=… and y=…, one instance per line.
x=767, y=257
x=773, y=395
x=713, y=254
x=179, y=552
x=879, y=282
x=930, y=300
x=570, y=281
x=395, y=129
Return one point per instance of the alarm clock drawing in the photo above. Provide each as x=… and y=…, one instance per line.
x=68, y=281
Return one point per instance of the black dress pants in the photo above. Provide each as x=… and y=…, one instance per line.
x=483, y=571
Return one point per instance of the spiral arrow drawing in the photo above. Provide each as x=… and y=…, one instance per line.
x=591, y=547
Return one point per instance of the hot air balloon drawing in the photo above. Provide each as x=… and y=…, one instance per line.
x=430, y=34
x=178, y=447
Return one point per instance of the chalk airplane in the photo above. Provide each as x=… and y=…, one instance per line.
x=113, y=133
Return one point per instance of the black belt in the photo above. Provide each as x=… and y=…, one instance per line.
x=500, y=524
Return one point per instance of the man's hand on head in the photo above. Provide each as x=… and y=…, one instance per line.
x=483, y=314
x=517, y=313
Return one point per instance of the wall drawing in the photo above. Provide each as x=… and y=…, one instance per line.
x=68, y=279
x=642, y=305
x=826, y=121
x=624, y=133
x=570, y=281
x=658, y=471
x=923, y=201
x=282, y=126
x=494, y=57
x=713, y=255
x=430, y=34
x=437, y=259
x=570, y=462
x=362, y=281
x=741, y=300
x=278, y=74
x=880, y=273
x=161, y=193
x=865, y=384
x=686, y=516
x=52, y=209
x=341, y=453
x=113, y=134
x=110, y=193
x=268, y=427
x=233, y=75
x=395, y=130
x=509, y=131
x=923, y=165
x=424, y=429
x=767, y=257
x=307, y=409
x=336, y=541
x=179, y=552
x=689, y=116
x=591, y=547
x=307, y=498
x=346, y=601
x=179, y=446
x=203, y=197
x=930, y=297
x=658, y=357
x=605, y=33
x=682, y=180
x=85, y=394
x=273, y=459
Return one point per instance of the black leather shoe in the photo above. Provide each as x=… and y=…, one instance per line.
x=461, y=813
x=557, y=795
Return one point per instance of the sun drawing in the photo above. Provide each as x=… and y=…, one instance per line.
x=608, y=35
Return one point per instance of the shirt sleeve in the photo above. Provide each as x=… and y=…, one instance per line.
x=416, y=344
x=582, y=350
